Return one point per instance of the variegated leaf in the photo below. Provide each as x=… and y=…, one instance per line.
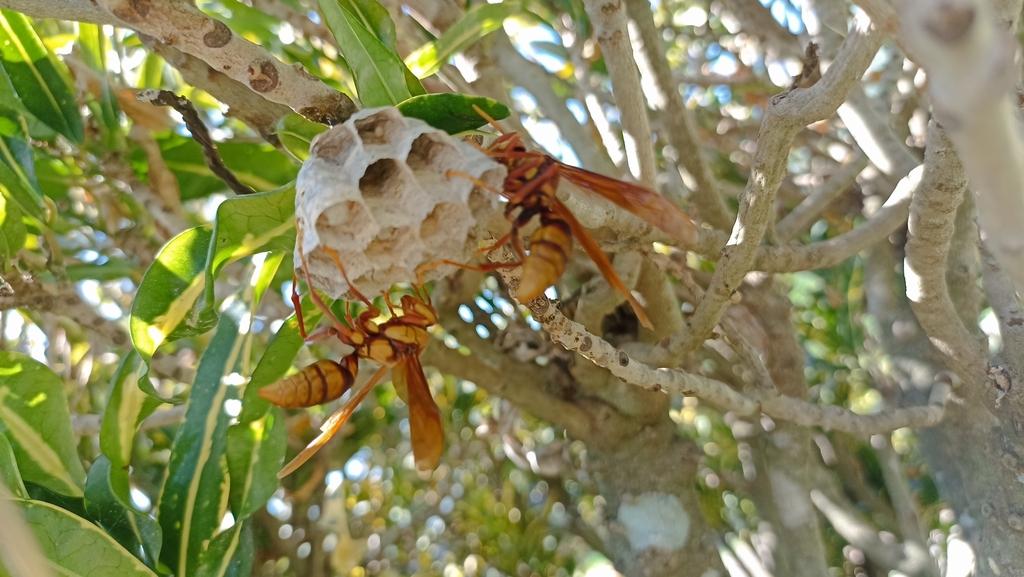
x=76, y=547
x=34, y=414
x=164, y=305
x=194, y=497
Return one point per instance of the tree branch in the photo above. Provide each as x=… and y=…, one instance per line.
x=932, y=213
x=871, y=130
x=682, y=134
x=200, y=134
x=521, y=383
x=594, y=305
x=537, y=81
x=892, y=215
x=757, y=20
x=71, y=10
x=908, y=516
x=787, y=114
x=1002, y=298
x=859, y=533
x=963, y=266
x=609, y=21
x=257, y=112
x=969, y=57
x=575, y=337
x=63, y=300
x=819, y=197
x=185, y=27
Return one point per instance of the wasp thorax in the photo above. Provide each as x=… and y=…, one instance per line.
x=376, y=192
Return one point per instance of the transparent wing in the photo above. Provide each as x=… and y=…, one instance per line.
x=643, y=202
x=332, y=425
x=589, y=246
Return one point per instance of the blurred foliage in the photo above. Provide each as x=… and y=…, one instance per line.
x=80, y=180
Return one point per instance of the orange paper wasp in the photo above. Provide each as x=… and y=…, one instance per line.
x=396, y=344
x=531, y=186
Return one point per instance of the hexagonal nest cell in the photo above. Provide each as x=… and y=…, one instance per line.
x=375, y=192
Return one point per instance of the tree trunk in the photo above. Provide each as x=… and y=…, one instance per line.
x=653, y=522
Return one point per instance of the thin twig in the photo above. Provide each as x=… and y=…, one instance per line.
x=255, y=111
x=787, y=114
x=682, y=132
x=536, y=80
x=827, y=253
x=575, y=337
x=819, y=197
x=61, y=299
x=199, y=133
x=909, y=560
x=907, y=514
x=609, y=22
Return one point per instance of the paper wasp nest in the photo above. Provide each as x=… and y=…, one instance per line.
x=374, y=190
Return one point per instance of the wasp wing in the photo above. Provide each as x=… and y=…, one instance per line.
x=589, y=246
x=332, y=425
x=424, y=418
x=641, y=201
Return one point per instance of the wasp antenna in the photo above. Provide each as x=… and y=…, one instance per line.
x=320, y=304
x=426, y=295
x=297, y=305
x=449, y=174
x=351, y=287
x=488, y=118
x=387, y=301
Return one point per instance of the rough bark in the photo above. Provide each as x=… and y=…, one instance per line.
x=653, y=519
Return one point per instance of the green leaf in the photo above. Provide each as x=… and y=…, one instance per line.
x=163, y=309
x=230, y=554
x=152, y=75
x=296, y=134
x=17, y=166
x=10, y=475
x=12, y=231
x=78, y=548
x=259, y=166
x=136, y=532
x=478, y=22
x=379, y=73
x=127, y=406
x=34, y=412
x=247, y=225
x=374, y=18
x=9, y=96
x=26, y=198
x=112, y=269
x=255, y=454
x=257, y=444
x=94, y=45
x=274, y=364
x=41, y=85
x=453, y=113
x=193, y=500
x=412, y=83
